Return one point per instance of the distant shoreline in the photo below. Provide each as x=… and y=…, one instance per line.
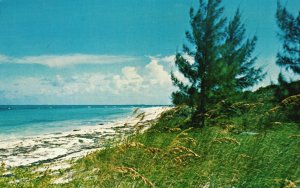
x=57, y=105
x=34, y=120
x=63, y=146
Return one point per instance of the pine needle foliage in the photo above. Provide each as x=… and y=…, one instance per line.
x=223, y=61
x=289, y=25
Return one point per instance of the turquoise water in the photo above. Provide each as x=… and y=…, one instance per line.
x=28, y=120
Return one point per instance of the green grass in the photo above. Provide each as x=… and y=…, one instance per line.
x=244, y=144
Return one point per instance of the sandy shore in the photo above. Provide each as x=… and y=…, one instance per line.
x=63, y=146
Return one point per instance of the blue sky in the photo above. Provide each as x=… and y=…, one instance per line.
x=109, y=52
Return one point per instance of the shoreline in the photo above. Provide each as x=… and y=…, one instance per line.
x=71, y=145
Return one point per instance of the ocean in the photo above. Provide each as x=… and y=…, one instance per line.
x=29, y=120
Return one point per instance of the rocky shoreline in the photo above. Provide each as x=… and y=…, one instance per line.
x=58, y=148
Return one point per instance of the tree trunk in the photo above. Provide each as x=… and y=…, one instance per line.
x=201, y=108
x=199, y=116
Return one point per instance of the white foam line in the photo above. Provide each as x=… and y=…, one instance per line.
x=66, y=145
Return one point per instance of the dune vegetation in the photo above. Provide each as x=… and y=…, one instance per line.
x=250, y=140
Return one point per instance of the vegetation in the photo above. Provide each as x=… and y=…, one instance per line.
x=285, y=89
x=289, y=57
x=250, y=141
x=290, y=35
x=223, y=62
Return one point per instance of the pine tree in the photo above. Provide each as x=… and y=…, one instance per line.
x=289, y=57
x=282, y=91
x=207, y=29
x=237, y=69
x=289, y=25
x=222, y=59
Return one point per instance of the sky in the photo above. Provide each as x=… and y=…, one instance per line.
x=110, y=52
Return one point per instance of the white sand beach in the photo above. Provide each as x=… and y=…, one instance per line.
x=65, y=146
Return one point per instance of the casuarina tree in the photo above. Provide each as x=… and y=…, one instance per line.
x=289, y=56
x=222, y=59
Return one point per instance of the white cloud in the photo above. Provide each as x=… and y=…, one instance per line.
x=168, y=59
x=131, y=73
x=149, y=84
x=4, y=58
x=130, y=80
x=189, y=58
x=273, y=70
x=268, y=63
x=171, y=59
x=67, y=60
x=157, y=73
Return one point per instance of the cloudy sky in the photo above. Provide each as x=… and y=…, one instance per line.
x=108, y=52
